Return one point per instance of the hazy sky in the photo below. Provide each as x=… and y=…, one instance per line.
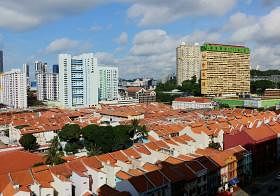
x=138, y=36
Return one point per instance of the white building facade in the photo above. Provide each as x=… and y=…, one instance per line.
x=188, y=62
x=78, y=80
x=47, y=86
x=108, y=83
x=13, y=92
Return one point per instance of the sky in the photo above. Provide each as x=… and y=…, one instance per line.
x=138, y=36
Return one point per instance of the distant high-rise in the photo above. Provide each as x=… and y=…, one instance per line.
x=47, y=86
x=13, y=90
x=108, y=83
x=47, y=83
x=1, y=61
x=78, y=80
x=55, y=69
x=188, y=61
x=40, y=67
x=225, y=69
x=25, y=70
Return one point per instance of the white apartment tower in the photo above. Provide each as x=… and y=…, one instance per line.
x=78, y=80
x=13, y=92
x=47, y=86
x=108, y=83
x=47, y=83
x=188, y=61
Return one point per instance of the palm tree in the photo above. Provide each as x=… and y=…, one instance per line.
x=137, y=132
x=54, y=154
x=95, y=150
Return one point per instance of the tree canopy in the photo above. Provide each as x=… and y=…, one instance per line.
x=270, y=72
x=259, y=86
x=29, y=142
x=106, y=138
x=189, y=87
x=70, y=133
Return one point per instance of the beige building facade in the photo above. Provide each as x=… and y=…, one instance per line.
x=225, y=70
x=188, y=62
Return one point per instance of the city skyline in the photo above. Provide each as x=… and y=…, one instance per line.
x=135, y=36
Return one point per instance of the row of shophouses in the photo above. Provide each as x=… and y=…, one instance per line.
x=176, y=159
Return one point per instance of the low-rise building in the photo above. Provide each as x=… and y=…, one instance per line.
x=184, y=103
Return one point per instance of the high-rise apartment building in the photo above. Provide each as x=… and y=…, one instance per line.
x=13, y=92
x=40, y=67
x=225, y=69
x=47, y=86
x=55, y=69
x=78, y=80
x=1, y=62
x=108, y=83
x=188, y=61
x=47, y=83
x=25, y=69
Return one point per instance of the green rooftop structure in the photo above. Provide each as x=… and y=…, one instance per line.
x=225, y=48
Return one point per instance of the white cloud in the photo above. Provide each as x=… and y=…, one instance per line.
x=148, y=12
x=239, y=20
x=61, y=45
x=265, y=29
x=25, y=14
x=266, y=56
x=122, y=39
x=153, y=53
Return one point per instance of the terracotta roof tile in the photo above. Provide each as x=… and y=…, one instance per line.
x=123, y=175
x=22, y=177
x=27, y=160
x=131, y=153
x=92, y=162
x=118, y=155
x=141, y=149
x=150, y=167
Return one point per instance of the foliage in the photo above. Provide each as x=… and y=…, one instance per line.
x=94, y=150
x=137, y=132
x=70, y=133
x=215, y=145
x=32, y=99
x=191, y=86
x=72, y=147
x=29, y=142
x=54, y=154
x=167, y=86
x=166, y=98
x=255, y=72
x=106, y=138
x=259, y=86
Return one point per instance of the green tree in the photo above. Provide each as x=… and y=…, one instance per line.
x=29, y=142
x=70, y=133
x=94, y=150
x=54, y=155
x=106, y=138
x=192, y=87
x=72, y=147
x=259, y=86
x=137, y=132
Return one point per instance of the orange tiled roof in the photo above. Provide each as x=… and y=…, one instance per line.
x=123, y=175
x=22, y=177
x=131, y=153
x=27, y=160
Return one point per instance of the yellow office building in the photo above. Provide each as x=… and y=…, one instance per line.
x=225, y=70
